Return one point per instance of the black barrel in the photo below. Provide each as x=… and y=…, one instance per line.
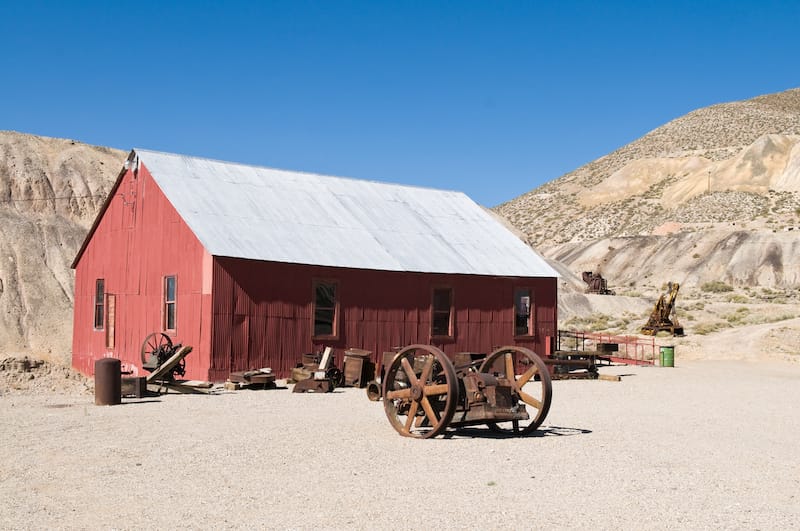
x=107, y=382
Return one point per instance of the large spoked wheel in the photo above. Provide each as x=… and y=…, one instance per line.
x=153, y=344
x=531, y=388
x=420, y=391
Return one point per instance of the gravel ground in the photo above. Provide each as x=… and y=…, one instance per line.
x=708, y=445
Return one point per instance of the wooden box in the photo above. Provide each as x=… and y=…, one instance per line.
x=134, y=386
x=357, y=367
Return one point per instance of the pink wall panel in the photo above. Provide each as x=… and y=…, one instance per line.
x=138, y=240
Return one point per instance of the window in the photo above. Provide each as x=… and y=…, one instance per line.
x=169, y=302
x=325, y=308
x=523, y=314
x=99, y=303
x=442, y=312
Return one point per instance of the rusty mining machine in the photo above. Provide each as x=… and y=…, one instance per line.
x=595, y=283
x=663, y=318
x=425, y=393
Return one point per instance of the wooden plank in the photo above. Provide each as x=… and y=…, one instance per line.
x=178, y=387
x=200, y=384
x=169, y=364
x=327, y=354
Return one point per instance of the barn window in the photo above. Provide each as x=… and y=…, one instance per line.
x=169, y=302
x=326, y=305
x=523, y=314
x=442, y=312
x=99, y=303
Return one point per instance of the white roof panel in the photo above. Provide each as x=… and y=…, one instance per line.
x=275, y=215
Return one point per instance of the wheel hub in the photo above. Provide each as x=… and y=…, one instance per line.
x=417, y=393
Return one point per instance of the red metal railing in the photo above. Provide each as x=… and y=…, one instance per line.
x=633, y=350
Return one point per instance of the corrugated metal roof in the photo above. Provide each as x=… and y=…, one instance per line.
x=259, y=213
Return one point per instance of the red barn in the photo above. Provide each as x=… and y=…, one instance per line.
x=254, y=267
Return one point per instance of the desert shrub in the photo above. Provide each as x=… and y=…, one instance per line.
x=737, y=298
x=699, y=305
x=696, y=256
x=716, y=286
x=738, y=317
x=630, y=293
x=762, y=319
x=708, y=327
x=598, y=322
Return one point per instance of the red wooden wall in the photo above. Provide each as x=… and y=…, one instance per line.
x=138, y=240
x=262, y=312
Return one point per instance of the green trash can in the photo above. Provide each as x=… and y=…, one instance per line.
x=667, y=356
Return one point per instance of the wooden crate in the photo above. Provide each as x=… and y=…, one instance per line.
x=357, y=367
x=134, y=386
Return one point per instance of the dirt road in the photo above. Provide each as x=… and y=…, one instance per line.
x=702, y=445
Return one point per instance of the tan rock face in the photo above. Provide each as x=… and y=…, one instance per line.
x=710, y=195
x=50, y=192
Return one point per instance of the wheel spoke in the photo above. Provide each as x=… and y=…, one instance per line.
x=399, y=393
x=412, y=378
x=525, y=378
x=426, y=406
x=439, y=389
x=530, y=400
x=412, y=412
x=426, y=371
x=509, y=366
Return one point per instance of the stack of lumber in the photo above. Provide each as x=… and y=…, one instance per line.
x=252, y=379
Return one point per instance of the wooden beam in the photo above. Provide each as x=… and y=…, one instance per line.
x=167, y=366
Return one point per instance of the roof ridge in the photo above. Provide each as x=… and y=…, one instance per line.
x=301, y=172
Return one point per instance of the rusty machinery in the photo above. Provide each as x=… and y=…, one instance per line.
x=163, y=359
x=424, y=393
x=595, y=283
x=663, y=318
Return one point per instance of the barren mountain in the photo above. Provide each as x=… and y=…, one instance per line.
x=50, y=191
x=729, y=163
x=710, y=200
x=713, y=195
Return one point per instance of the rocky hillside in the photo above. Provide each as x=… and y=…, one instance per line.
x=712, y=195
x=50, y=191
x=709, y=199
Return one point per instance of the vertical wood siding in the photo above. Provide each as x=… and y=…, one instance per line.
x=138, y=241
x=262, y=313
x=240, y=314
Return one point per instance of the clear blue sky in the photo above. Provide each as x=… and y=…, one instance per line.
x=492, y=98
